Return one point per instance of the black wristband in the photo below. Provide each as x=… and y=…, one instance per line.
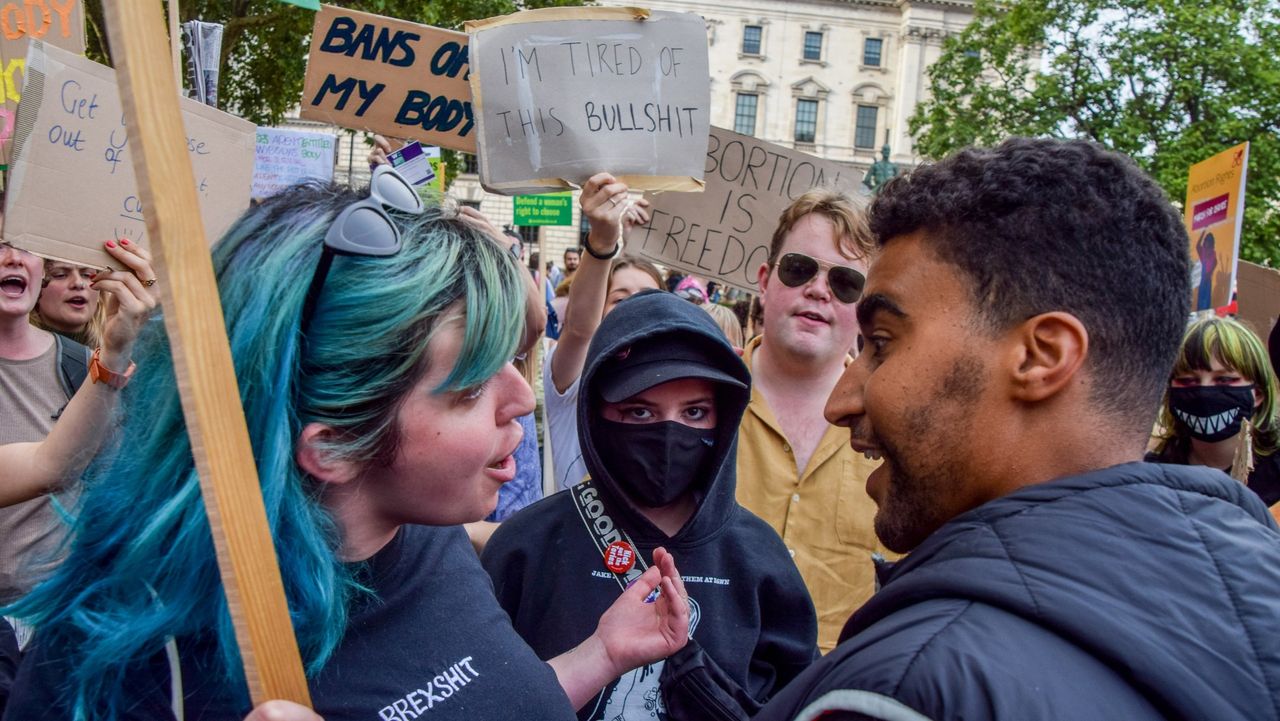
x=617, y=246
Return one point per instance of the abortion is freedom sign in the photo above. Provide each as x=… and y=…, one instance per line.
x=72, y=184
x=565, y=93
x=389, y=76
x=724, y=232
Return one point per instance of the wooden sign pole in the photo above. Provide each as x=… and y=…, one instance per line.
x=175, y=42
x=201, y=355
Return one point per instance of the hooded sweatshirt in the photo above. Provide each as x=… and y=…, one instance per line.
x=1140, y=591
x=752, y=625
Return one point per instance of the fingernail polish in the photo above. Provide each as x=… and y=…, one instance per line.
x=111, y=244
x=123, y=241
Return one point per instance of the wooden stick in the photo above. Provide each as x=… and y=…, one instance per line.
x=550, y=484
x=201, y=355
x=175, y=42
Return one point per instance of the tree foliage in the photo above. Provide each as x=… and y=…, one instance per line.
x=1167, y=82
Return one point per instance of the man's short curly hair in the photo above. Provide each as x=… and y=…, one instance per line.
x=849, y=216
x=1045, y=225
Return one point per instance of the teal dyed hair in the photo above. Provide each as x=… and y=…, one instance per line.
x=141, y=563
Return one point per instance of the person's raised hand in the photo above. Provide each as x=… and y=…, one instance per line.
x=474, y=218
x=130, y=297
x=282, y=711
x=636, y=215
x=381, y=148
x=604, y=202
x=635, y=631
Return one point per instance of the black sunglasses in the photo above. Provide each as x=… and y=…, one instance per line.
x=796, y=269
x=364, y=228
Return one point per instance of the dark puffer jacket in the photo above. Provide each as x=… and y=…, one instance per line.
x=1142, y=591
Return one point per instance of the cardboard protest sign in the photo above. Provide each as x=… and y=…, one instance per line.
x=285, y=157
x=1213, y=215
x=56, y=22
x=72, y=183
x=565, y=93
x=723, y=233
x=389, y=76
x=1258, y=290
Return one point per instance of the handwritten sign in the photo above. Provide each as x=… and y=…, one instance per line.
x=56, y=22
x=724, y=232
x=72, y=183
x=566, y=93
x=389, y=76
x=285, y=157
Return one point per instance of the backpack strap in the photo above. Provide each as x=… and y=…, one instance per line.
x=73, y=368
x=73, y=364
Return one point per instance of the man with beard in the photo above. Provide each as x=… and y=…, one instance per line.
x=795, y=470
x=572, y=256
x=1020, y=323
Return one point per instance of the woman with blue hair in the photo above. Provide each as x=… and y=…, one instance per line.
x=372, y=348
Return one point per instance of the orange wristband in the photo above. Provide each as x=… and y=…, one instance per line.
x=102, y=374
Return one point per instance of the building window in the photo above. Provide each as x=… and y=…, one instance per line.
x=528, y=235
x=871, y=52
x=470, y=164
x=751, y=35
x=744, y=118
x=806, y=120
x=864, y=134
x=812, y=45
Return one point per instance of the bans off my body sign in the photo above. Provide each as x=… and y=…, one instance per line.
x=390, y=76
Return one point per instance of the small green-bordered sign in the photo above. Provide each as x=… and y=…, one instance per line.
x=544, y=209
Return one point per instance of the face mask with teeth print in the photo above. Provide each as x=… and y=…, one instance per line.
x=1212, y=413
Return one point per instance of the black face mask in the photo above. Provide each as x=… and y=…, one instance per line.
x=654, y=462
x=1212, y=413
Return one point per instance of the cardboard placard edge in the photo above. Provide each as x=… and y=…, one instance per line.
x=540, y=15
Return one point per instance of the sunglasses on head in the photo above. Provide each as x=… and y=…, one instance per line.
x=364, y=228
x=796, y=269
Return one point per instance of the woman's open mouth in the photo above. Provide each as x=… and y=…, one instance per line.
x=13, y=285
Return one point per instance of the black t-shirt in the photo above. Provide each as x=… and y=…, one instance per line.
x=433, y=644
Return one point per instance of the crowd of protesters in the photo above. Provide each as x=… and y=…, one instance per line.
x=965, y=458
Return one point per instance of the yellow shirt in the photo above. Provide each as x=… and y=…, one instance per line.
x=824, y=515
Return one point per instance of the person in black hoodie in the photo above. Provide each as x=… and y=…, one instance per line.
x=663, y=393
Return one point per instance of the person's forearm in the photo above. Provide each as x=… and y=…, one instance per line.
x=581, y=319
x=33, y=469
x=584, y=670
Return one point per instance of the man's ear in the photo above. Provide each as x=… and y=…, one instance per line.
x=314, y=457
x=1049, y=350
x=762, y=277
